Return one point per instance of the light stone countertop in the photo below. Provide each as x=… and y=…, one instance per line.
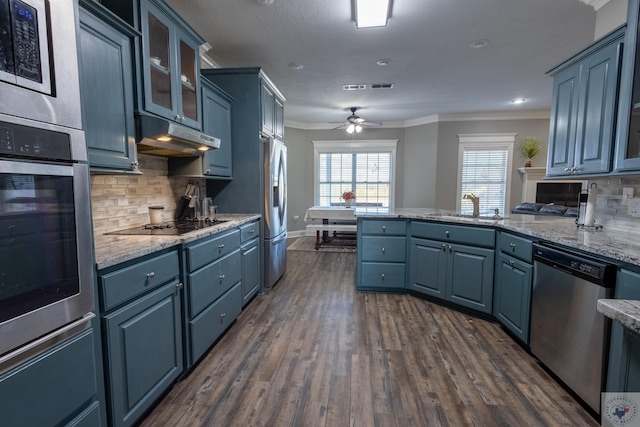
x=618, y=241
x=627, y=312
x=115, y=249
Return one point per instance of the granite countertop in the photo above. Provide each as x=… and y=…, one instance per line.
x=627, y=312
x=619, y=241
x=111, y=250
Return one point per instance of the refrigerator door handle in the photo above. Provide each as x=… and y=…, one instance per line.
x=276, y=241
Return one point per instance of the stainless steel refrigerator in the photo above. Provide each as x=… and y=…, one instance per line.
x=275, y=210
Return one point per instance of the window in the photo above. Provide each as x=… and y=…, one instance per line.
x=364, y=167
x=484, y=169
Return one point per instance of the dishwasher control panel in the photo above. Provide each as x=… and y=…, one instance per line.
x=594, y=270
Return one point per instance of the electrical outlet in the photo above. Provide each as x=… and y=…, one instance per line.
x=633, y=208
x=296, y=218
x=627, y=193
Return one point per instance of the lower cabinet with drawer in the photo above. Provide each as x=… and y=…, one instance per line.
x=214, y=291
x=251, y=256
x=381, y=251
x=452, y=262
x=142, y=326
x=512, y=288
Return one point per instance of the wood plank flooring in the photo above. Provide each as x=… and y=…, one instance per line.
x=314, y=352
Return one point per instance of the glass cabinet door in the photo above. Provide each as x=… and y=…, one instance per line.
x=159, y=62
x=188, y=79
x=627, y=155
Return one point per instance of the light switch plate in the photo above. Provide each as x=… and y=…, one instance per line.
x=633, y=208
x=627, y=193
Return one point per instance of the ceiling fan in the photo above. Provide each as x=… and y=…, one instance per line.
x=355, y=123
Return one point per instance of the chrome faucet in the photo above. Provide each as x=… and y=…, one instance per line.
x=476, y=203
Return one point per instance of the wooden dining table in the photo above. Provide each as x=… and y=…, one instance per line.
x=338, y=225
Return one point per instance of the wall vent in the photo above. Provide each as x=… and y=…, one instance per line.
x=382, y=86
x=354, y=87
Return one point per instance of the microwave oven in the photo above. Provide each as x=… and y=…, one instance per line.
x=39, y=78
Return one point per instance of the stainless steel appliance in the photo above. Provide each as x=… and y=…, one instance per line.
x=38, y=61
x=46, y=251
x=568, y=334
x=46, y=260
x=275, y=210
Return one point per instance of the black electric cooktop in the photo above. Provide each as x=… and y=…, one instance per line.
x=167, y=228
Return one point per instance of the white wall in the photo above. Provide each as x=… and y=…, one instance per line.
x=610, y=16
x=418, y=189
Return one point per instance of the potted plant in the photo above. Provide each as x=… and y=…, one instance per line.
x=348, y=196
x=529, y=148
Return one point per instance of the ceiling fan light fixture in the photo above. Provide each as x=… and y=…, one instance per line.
x=358, y=128
x=351, y=128
x=372, y=13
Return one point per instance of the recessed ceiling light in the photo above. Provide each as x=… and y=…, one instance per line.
x=296, y=66
x=383, y=62
x=519, y=101
x=477, y=44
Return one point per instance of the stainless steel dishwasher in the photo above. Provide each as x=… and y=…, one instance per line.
x=568, y=335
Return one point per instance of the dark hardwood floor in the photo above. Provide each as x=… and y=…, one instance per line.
x=314, y=352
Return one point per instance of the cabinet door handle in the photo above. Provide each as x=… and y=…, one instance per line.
x=151, y=275
x=450, y=248
x=512, y=245
x=221, y=246
x=179, y=286
x=223, y=315
x=134, y=165
x=221, y=277
x=384, y=228
x=382, y=276
x=511, y=263
x=208, y=171
x=446, y=233
x=444, y=247
x=567, y=169
x=384, y=250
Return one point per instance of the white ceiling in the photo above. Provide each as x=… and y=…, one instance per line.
x=433, y=68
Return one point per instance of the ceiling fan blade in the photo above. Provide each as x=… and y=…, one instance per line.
x=343, y=125
x=372, y=124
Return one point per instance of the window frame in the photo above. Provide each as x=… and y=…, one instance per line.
x=486, y=141
x=361, y=146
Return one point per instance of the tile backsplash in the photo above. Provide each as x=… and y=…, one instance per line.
x=122, y=201
x=609, y=207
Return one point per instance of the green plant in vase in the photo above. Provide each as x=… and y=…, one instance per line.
x=529, y=148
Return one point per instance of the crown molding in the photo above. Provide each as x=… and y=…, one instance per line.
x=435, y=118
x=596, y=4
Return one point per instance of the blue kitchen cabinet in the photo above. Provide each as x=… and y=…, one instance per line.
x=56, y=387
x=141, y=304
x=381, y=255
x=169, y=57
x=583, y=109
x=250, y=253
x=278, y=127
x=627, y=153
x=216, y=121
x=268, y=107
x=214, y=290
x=513, y=282
x=623, y=373
x=107, y=87
x=459, y=263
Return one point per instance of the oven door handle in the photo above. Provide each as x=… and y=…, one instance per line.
x=36, y=345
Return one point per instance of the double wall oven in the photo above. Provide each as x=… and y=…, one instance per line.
x=46, y=250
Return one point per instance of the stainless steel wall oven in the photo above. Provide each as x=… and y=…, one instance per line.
x=46, y=261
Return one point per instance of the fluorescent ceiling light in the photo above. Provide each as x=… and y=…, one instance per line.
x=372, y=13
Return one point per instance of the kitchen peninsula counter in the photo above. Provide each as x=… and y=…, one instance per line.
x=617, y=240
x=114, y=249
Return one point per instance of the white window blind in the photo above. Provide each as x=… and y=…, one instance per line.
x=364, y=167
x=485, y=170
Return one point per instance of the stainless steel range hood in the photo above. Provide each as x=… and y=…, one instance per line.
x=162, y=137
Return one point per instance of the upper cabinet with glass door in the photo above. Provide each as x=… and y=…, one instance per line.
x=627, y=153
x=170, y=60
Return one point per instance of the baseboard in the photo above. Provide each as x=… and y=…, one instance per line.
x=299, y=233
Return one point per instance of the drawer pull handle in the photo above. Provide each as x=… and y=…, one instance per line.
x=252, y=231
x=221, y=246
x=151, y=275
x=179, y=286
x=446, y=233
x=223, y=315
x=511, y=262
x=384, y=228
x=382, y=276
x=444, y=247
x=221, y=277
x=450, y=248
x=512, y=245
x=383, y=250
